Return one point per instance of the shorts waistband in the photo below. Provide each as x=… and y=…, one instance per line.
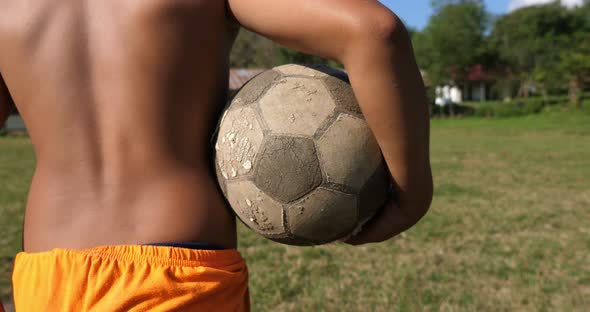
x=189, y=245
x=163, y=255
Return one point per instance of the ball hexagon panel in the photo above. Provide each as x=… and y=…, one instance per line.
x=239, y=139
x=296, y=106
x=256, y=209
x=348, y=151
x=287, y=167
x=324, y=215
x=254, y=88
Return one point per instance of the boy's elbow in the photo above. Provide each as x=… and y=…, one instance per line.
x=379, y=26
x=419, y=203
x=424, y=205
x=374, y=34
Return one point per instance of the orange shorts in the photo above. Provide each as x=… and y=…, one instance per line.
x=131, y=278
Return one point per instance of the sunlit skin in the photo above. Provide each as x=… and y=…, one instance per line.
x=121, y=98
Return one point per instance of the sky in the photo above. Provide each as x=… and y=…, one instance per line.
x=415, y=13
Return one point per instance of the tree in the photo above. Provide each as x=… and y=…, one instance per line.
x=531, y=40
x=575, y=60
x=288, y=56
x=453, y=41
x=253, y=50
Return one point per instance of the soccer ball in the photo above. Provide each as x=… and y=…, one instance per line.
x=295, y=158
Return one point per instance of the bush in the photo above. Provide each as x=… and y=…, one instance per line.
x=554, y=109
x=509, y=109
x=485, y=111
x=519, y=107
x=458, y=110
x=533, y=107
x=493, y=109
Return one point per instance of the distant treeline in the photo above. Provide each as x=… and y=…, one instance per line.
x=253, y=51
x=543, y=49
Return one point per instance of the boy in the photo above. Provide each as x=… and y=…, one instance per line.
x=120, y=99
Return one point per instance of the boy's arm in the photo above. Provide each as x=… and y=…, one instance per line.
x=5, y=101
x=375, y=48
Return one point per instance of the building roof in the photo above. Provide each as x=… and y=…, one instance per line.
x=478, y=73
x=239, y=76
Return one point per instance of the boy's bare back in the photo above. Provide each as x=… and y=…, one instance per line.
x=120, y=98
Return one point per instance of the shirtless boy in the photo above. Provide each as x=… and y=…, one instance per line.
x=120, y=98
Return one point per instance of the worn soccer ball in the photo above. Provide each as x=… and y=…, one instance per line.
x=295, y=158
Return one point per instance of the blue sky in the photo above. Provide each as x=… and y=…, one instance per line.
x=415, y=13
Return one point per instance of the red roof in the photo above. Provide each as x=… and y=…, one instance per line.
x=478, y=73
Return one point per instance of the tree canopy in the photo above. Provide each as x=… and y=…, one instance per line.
x=453, y=41
x=546, y=46
x=251, y=50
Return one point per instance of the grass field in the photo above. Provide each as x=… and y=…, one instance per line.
x=509, y=229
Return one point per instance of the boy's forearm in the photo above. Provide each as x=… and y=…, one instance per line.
x=391, y=93
x=375, y=49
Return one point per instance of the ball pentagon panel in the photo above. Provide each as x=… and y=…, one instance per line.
x=255, y=88
x=287, y=167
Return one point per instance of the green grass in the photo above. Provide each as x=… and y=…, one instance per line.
x=16, y=169
x=508, y=230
